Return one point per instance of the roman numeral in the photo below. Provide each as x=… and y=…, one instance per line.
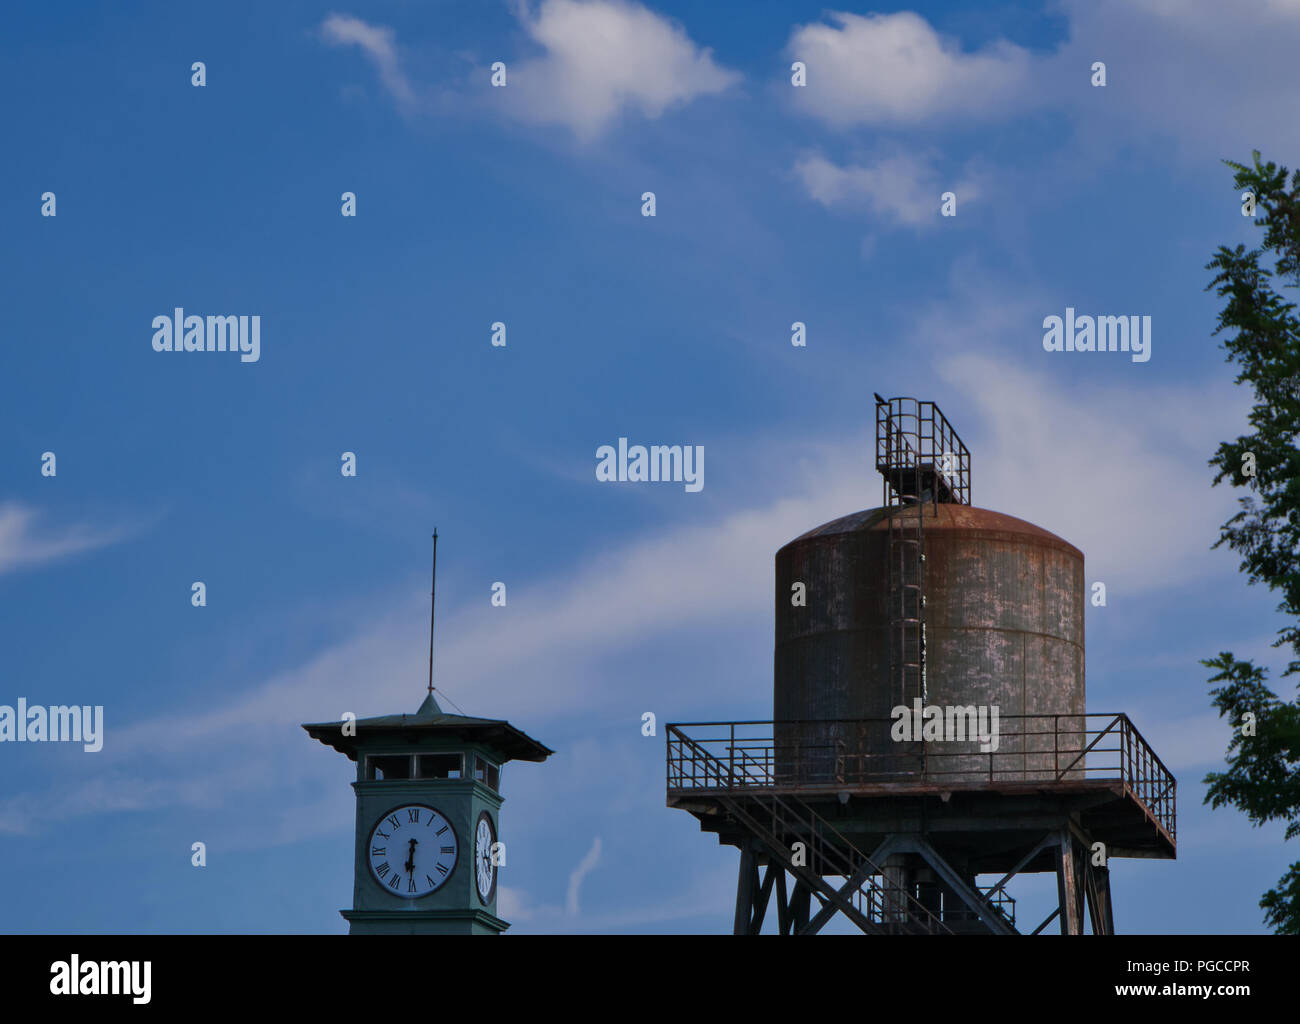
x=441, y=869
x=413, y=814
x=432, y=882
x=410, y=885
x=392, y=820
x=449, y=849
x=378, y=851
x=443, y=829
x=381, y=832
x=394, y=881
x=383, y=869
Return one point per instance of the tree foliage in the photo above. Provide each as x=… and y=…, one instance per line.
x=1263, y=777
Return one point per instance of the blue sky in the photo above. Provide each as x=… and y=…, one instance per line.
x=522, y=205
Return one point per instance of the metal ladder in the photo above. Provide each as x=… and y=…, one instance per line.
x=898, y=444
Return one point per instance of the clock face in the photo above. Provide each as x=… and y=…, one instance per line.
x=412, y=851
x=485, y=875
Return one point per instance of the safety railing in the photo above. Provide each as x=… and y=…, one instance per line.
x=912, y=433
x=827, y=851
x=831, y=754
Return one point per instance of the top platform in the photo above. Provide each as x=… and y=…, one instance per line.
x=919, y=453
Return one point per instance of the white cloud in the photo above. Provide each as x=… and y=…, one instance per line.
x=1087, y=463
x=379, y=45
x=702, y=892
x=1185, y=744
x=24, y=545
x=1116, y=465
x=896, y=69
x=902, y=189
x=671, y=580
x=1217, y=78
x=604, y=58
x=584, y=868
x=512, y=904
x=1119, y=471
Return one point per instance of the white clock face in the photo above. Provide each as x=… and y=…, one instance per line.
x=412, y=851
x=485, y=874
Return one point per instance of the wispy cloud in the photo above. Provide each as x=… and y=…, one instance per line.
x=902, y=189
x=601, y=59
x=26, y=543
x=584, y=868
x=1176, y=66
x=513, y=905
x=379, y=45
x=1094, y=460
x=1046, y=454
x=1188, y=743
x=1105, y=461
x=702, y=896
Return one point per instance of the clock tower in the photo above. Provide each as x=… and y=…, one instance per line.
x=428, y=793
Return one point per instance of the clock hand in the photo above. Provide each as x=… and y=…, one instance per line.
x=410, y=859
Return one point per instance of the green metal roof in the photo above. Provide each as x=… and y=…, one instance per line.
x=431, y=721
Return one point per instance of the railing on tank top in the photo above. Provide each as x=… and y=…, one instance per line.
x=831, y=754
x=912, y=434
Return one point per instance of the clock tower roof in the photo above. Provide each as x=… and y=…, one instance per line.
x=429, y=722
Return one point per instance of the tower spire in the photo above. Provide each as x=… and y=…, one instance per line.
x=433, y=591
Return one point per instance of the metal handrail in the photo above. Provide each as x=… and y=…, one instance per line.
x=822, y=754
x=903, y=418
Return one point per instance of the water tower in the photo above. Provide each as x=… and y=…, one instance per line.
x=929, y=722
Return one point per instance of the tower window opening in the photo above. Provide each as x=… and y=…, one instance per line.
x=440, y=766
x=389, y=767
x=487, y=773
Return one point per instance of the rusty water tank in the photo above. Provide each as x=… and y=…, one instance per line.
x=1004, y=618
